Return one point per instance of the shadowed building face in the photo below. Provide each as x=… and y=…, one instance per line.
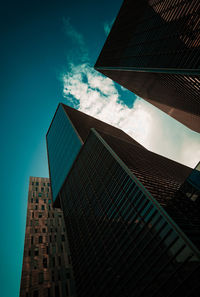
x=123, y=241
x=130, y=232
x=67, y=133
x=153, y=50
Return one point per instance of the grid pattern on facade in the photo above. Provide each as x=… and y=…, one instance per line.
x=153, y=50
x=46, y=270
x=122, y=242
x=68, y=130
x=163, y=178
x=175, y=94
x=154, y=34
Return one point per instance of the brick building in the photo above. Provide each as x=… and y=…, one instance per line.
x=46, y=270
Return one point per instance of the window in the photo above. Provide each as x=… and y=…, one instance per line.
x=36, y=207
x=44, y=200
x=69, y=259
x=35, y=264
x=35, y=293
x=40, y=278
x=52, y=276
x=40, y=239
x=49, y=207
x=59, y=260
x=32, y=214
x=57, y=291
x=40, y=215
x=53, y=249
x=63, y=237
x=44, y=184
x=43, y=208
x=39, y=194
x=49, y=292
x=47, y=189
x=48, y=184
x=47, y=249
x=44, y=230
x=67, y=290
x=47, y=194
x=45, y=262
x=31, y=200
x=55, y=237
x=42, y=189
x=36, y=251
x=36, y=200
x=50, y=238
x=68, y=275
x=37, y=184
x=36, y=230
x=29, y=253
x=31, y=239
x=59, y=275
x=36, y=189
x=53, y=261
x=32, y=183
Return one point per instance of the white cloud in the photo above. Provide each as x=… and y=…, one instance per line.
x=107, y=27
x=77, y=38
x=98, y=96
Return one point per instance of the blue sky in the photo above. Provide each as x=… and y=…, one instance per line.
x=48, y=49
x=34, y=55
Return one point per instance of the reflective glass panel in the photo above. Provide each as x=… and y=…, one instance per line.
x=63, y=147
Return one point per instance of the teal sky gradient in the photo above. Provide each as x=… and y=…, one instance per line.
x=41, y=63
x=34, y=53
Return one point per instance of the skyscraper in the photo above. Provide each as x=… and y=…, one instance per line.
x=46, y=270
x=67, y=133
x=153, y=50
x=131, y=232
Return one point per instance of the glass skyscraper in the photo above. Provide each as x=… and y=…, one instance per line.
x=66, y=134
x=63, y=147
x=132, y=231
x=153, y=50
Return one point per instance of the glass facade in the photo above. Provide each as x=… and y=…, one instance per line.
x=167, y=181
x=68, y=130
x=191, y=186
x=122, y=241
x=153, y=50
x=194, y=177
x=159, y=35
x=63, y=146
